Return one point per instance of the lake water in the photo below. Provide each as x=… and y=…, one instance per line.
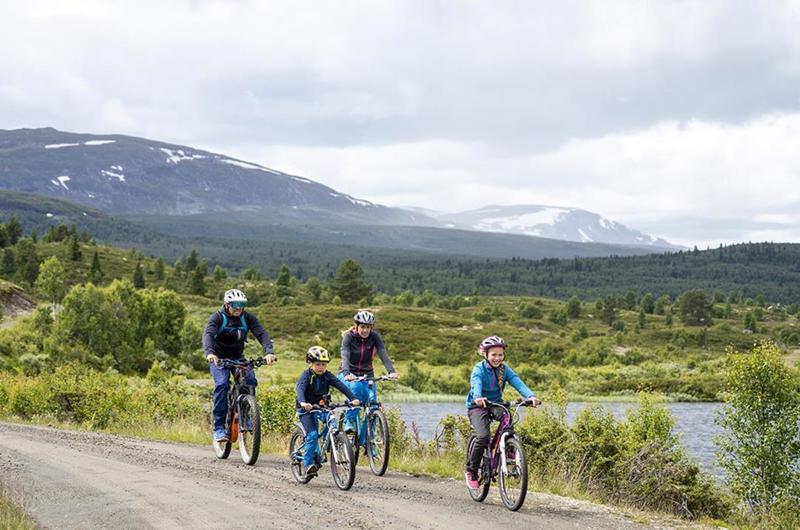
x=694, y=422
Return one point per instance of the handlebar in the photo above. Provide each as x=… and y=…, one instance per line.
x=521, y=402
x=365, y=377
x=242, y=363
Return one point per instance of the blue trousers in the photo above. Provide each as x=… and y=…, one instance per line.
x=221, y=384
x=362, y=391
x=310, y=422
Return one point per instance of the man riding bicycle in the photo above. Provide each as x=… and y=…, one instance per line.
x=224, y=338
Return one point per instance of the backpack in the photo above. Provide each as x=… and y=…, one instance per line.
x=240, y=332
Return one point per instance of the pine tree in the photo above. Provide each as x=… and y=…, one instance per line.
x=138, y=276
x=13, y=231
x=573, y=307
x=3, y=236
x=191, y=261
x=219, y=274
x=283, y=280
x=348, y=284
x=313, y=288
x=95, y=272
x=27, y=261
x=197, y=284
x=74, y=249
x=9, y=265
x=159, y=269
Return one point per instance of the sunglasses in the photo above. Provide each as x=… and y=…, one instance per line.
x=237, y=305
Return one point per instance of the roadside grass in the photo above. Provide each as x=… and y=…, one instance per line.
x=12, y=515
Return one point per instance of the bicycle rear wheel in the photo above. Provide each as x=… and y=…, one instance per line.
x=484, y=474
x=343, y=465
x=513, y=482
x=297, y=450
x=250, y=430
x=378, y=442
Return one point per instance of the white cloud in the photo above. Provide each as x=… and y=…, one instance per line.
x=676, y=118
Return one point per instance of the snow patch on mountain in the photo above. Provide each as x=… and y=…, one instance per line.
x=247, y=165
x=62, y=180
x=520, y=223
x=175, y=156
x=99, y=142
x=107, y=173
x=59, y=146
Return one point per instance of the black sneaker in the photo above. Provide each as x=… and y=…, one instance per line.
x=311, y=471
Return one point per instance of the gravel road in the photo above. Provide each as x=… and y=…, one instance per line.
x=76, y=479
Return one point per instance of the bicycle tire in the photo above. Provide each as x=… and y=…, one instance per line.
x=514, y=484
x=297, y=449
x=249, y=439
x=484, y=474
x=343, y=465
x=221, y=449
x=378, y=440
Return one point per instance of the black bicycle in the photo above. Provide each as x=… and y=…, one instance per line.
x=504, y=459
x=243, y=421
x=331, y=441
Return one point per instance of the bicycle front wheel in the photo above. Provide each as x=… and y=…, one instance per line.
x=297, y=450
x=343, y=465
x=250, y=430
x=484, y=474
x=378, y=442
x=513, y=482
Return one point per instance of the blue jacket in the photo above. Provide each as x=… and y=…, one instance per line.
x=483, y=383
x=312, y=387
x=357, y=353
x=228, y=342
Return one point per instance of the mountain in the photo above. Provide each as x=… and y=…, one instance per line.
x=135, y=177
x=120, y=174
x=554, y=222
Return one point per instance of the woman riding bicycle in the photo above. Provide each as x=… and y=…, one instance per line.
x=224, y=338
x=489, y=378
x=359, y=346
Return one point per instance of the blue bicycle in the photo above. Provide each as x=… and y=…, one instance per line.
x=373, y=429
x=332, y=441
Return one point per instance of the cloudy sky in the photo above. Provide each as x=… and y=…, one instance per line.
x=677, y=118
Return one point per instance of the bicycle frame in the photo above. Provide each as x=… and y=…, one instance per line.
x=497, y=446
x=370, y=405
x=330, y=416
x=238, y=389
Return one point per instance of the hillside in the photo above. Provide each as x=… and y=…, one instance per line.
x=432, y=337
x=120, y=174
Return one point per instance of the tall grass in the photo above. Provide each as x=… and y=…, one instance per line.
x=12, y=515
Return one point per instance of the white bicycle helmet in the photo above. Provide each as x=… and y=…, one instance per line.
x=364, y=317
x=234, y=295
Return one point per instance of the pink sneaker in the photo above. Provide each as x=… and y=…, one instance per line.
x=471, y=482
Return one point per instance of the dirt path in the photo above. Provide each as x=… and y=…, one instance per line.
x=90, y=480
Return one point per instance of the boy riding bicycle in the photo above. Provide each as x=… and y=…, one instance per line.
x=487, y=382
x=312, y=388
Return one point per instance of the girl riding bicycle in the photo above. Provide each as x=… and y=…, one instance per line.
x=487, y=382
